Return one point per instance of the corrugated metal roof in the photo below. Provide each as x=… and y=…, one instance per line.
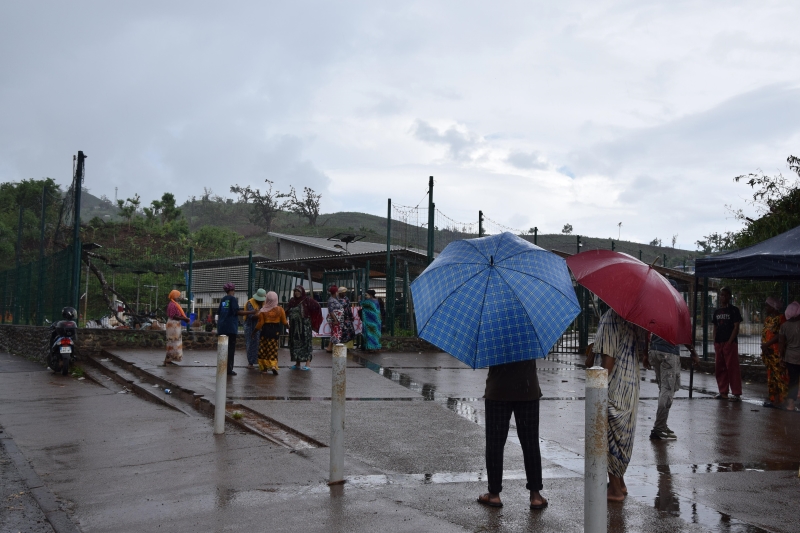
x=322, y=243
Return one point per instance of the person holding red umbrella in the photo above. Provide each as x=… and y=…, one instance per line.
x=621, y=344
x=641, y=300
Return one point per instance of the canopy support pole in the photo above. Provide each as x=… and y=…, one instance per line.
x=694, y=333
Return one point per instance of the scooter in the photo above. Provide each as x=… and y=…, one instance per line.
x=63, y=339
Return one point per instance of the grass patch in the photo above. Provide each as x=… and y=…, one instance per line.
x=237, y=415
x=77, y=372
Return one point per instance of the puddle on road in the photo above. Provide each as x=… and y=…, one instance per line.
x=647, y=483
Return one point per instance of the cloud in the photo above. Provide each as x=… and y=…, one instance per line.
x=527, y=160
x=460, y=142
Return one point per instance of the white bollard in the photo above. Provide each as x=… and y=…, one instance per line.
x=338, y=389
x=595, y=504
x=222, y=382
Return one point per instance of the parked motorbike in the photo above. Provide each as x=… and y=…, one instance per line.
x=63, y=340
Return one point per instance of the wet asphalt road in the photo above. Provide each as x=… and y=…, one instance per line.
x=414, y=461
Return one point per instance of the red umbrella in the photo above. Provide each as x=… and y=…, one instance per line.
x=635, y=291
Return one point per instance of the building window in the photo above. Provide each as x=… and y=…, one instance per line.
x=198, y=300
x=215, y=300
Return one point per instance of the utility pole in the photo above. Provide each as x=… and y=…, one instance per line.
x=612, y=245
x=431, y=221
x=536, y=236
x=480, y=223
x=640, y=254
x=76, y=231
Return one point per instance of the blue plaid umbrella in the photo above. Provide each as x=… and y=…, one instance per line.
x=494, y=300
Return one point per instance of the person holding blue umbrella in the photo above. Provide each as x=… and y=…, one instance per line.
x=499, y=302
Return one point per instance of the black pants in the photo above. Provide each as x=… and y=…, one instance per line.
x=794, y=380
x=231, y=350
x=498, y=417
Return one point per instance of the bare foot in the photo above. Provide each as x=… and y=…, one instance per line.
x=492, y=500
x=616, y=490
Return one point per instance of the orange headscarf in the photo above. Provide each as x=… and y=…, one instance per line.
x=173, y=296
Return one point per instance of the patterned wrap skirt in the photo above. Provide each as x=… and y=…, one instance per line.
x=267, y=354
x=300, y=336
x=174, y=342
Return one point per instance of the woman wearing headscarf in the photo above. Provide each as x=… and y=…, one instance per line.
x=777, y=378
x=271, y=321
x=371, y=321
x=305, y=317
x=348, y=326
x=251, y=309
x=175, y=316
x=335, y=317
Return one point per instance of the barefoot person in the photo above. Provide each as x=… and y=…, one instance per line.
x=513, y=388
x=620, y=344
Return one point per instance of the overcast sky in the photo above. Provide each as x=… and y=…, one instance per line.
x=539, y=113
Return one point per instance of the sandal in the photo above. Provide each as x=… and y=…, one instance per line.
x=541, y=505
x=734, y=398
x=720, y=397
x=485, y=499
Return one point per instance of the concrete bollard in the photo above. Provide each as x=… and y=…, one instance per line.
x=338, y=389
x=222, y=382
x=595, y=504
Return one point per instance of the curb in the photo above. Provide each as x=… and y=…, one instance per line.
x=46, y=500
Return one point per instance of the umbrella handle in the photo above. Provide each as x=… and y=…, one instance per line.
x=656, y=260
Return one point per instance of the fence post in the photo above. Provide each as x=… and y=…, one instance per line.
x=189, y=287
x=595, y=503
x=3, y=302
x=250, y=273
x=431, y=221
x=480, y=225
x=338, y=390
x=705, y=319
x=222, y=375
x=39, y=287
x=76, y=233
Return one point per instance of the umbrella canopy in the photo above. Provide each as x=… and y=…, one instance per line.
x=635, y=291
x=494, y=300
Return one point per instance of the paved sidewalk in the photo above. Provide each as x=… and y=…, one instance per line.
x=414, y=460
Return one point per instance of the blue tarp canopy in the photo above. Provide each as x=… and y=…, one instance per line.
x=776, y=259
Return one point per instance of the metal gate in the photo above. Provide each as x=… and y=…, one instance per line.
x=355, y=280
x=282, y=282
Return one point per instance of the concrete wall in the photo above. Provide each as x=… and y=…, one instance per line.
x=31, y=341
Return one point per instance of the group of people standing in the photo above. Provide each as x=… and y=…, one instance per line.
x=265, y=322
x=780, y=351
x=341, y=319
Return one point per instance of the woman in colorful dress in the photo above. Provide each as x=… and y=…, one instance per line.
x=175, y=316
x=777, y=377
x=348, y=326
x=335, y=317
x=305, y=317
x=371, y=321
x=621, y=344
x=271, y=321
x=251, y=309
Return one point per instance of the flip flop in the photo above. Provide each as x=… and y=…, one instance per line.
x=304, y=368
x=487, y=502
x=294, y=367
x=540, y=506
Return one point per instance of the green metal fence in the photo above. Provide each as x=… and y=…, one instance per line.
x=282, y=282
x=35, y=293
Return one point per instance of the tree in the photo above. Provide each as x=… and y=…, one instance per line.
x=567, y=229
x=777, y=201
x=674, y=240
x=306, y=207
x=265, y=206
x=164, y=209
x=655, y=242
x=213, y=241
x=129, y=207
